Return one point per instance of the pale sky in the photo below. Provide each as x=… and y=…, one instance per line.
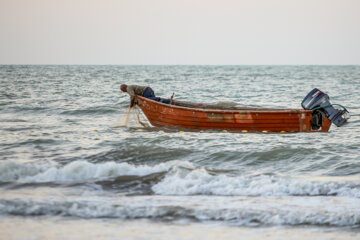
x=180, y=32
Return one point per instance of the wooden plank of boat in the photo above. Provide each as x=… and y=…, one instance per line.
x=212, y=117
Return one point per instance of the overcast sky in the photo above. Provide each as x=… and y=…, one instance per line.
x=180, y=32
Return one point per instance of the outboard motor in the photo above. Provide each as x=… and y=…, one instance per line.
x=319, y=102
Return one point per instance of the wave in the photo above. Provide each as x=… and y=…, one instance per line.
x=97, y=110
x=179, y=178
x=240, y=211
x=77, y=171
x=200, y=181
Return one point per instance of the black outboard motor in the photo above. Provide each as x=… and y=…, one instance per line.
x=319, y=102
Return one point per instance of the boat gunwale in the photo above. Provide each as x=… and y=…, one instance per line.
x=229, y=111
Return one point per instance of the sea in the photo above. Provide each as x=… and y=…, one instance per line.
x=76, y=164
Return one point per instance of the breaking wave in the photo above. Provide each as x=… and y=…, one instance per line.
x=240, y=211
x=200, y=181
x=180, y=178
x=76, y=171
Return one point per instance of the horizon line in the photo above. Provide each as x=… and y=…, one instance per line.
x=77, y=64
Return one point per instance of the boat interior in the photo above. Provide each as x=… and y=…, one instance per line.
x=220, y=106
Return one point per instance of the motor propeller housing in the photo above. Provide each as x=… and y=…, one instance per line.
x=317, y=100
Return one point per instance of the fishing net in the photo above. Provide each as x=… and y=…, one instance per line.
x=133, y=117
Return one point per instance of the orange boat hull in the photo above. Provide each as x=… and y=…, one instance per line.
x=244, y=119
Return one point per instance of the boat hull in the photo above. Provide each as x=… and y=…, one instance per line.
x=245, y=119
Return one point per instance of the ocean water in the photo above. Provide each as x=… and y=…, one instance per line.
x=71, y=169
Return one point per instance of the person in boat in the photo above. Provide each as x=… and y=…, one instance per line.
x=144, y=91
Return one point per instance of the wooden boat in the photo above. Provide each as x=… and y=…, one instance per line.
x=187, y=115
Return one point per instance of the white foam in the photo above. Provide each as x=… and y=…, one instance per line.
x=11, y=171
x=240, y=210
x=199, y=181
x=182, y=178
x=77, y=171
